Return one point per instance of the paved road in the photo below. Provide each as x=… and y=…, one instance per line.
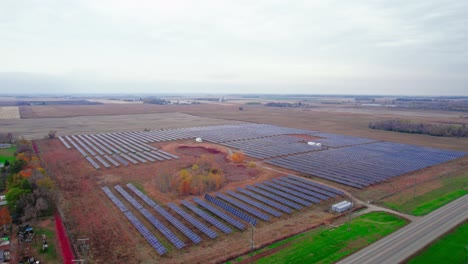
x=400, y=245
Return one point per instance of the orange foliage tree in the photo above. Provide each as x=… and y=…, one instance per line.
x=238, y=157
x=197, y=179
x=5, y=217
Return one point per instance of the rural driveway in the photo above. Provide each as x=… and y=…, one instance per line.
x=405, y=242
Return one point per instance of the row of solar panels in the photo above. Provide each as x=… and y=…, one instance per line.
x=362, y=165
x=260, y=202
x=89, y=144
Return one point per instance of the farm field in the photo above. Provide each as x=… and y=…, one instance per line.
x=75, y=176
x=9, y=112
x=450, y=248
x=328, y=245
x=429, y=196
x=39, y=128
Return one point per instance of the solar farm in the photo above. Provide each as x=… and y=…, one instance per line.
x=277, y=203
x=225, y=211
x=352, y=161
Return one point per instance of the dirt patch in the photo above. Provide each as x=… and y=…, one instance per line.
x=196, y=151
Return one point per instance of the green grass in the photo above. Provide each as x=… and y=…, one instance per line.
x=7, y=154
x=50, y=256
x=452, y=189
x=451, y=248
x=325, y=245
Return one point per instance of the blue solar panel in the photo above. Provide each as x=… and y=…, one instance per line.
x=114, y=199
x=307, y=187
x=266, y=200
x=241, y=215
x=318, y=185
x=275, y=197
x=171, y=219
x=254, y=203
x=207, y=217
x=284, y=194
x=219, y=213
x=153, y=220
x=244, y=207
x=189, y=218
x=292, y=192
x=154, y=242
x=300, y=189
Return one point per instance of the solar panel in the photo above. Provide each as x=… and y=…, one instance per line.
x=292, y=192
x=147, y=157
x=102, y=161
x=318, y=185
x=64, y=143
x=128, y=158
x=219, y=213
x=168, y=154
x=254, y=203
x=300, y=189
x=207, y=217
x=93, y=163
x=189, y=218
x=136, y=157
x=284, y=194
x=265, y=200
x=307, y=187
x=120, y=159
x=244, y=207
x=275, y=197
x=114, y=199
x=171, y=219
x=154, y=242
x=150, y=217
x=115, y=163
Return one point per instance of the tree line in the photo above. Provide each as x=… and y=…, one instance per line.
x=30, y=191
x=407, y=126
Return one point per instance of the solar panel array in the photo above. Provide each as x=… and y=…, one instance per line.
x=258, y=202
x=352, y=161
x=226, y=217
x=189, y=218
x=152, y=240
x=362, y=165
x=241, y=215
x=266, y=200
x=269, y=147
x=244, y=207
x=170, y=218
x=207, y=217
x=150, y=217
x=124, y=147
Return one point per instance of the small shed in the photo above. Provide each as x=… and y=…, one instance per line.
x=342, y=206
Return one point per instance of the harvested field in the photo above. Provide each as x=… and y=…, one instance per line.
x=9, y=112
x=38, y=128
x=116, y=239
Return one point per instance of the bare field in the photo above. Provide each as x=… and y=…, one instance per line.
x=340, y=120
x=9, y=112
x=39, y=128
x=89, y=213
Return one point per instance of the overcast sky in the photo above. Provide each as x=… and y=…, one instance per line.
x=332, y=47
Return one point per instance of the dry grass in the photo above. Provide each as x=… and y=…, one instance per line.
x=9, y=112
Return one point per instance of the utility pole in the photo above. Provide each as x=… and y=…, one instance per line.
x=252, y=243
x=83, y=244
